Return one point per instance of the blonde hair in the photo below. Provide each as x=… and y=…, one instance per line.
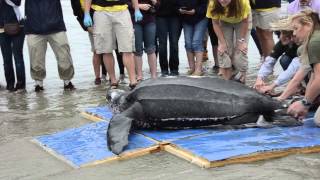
x=306, y=17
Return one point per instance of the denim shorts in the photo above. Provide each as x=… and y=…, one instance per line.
x=145, y=37
x=194, y=35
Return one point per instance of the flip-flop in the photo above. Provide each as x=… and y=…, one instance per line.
x=190, y=72
x=197, y=73
x=114, y=85
x=132, y=86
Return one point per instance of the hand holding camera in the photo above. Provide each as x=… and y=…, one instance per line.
x=187, y=10
x=144, y=7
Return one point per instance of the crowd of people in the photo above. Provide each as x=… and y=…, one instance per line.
x=131, y=28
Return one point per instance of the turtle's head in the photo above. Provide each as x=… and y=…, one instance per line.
x=115, y=96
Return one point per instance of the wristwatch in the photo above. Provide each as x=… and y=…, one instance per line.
x=306, y=103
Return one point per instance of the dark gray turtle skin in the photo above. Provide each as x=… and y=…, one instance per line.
x=185, y=102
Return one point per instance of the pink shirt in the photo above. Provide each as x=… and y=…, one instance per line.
x=294, y=7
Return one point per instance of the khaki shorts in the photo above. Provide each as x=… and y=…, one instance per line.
x=262, y=19
x=112, y=28
x=37, y=45
x=233, y=57
x=224, y=61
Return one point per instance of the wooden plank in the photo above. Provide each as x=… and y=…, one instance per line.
x=125, y=156
x=91, y=117
x=204, y=163
x=265, y=156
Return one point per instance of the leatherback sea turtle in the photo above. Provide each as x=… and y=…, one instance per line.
x=185, y=102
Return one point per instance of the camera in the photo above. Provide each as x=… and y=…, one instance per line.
x=186, y=8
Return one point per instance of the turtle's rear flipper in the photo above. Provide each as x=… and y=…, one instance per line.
x=119, y=128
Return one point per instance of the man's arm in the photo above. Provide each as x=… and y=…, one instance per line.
x=87, y=6
x=135, y=4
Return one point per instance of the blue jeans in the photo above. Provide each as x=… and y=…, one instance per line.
x=145, y=38
x=13, y=45
x=168, y=26
x=194, y=35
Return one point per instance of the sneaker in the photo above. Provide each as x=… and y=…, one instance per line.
x=97, y=81
x=20, y=88
x=38, y=88
x=164, y=73
x=114, y=85
x=69, y=87
x=174, y=73
x=215, y=69
x=11, y=89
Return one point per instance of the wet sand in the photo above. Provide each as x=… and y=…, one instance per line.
x=26, y=115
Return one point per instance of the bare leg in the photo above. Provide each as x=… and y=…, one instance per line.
x=96, y=64
x=138, y=64
x=191, y=61
x=266, y=40
x=128, y=62
x=226, y=73
x=109, y=64
x=215, y=55
x=152, y=60
x=198, y=63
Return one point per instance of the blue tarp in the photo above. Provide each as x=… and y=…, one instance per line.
x=222, y=145
x=87, y=143
x=102, y=112
x=171, y=135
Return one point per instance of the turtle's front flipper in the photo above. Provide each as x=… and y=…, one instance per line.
x=119, y=128
x=281, y=118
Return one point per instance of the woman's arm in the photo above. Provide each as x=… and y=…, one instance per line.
x=87, y=6
x=242, y=40
x=293, y=85
x=222, y=45
x=244, y=29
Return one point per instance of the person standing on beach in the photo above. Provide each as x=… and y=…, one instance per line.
x=12, y=45
x=113, y=29
x=44, y=24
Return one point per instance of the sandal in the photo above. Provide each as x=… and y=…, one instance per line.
x=190, y=72
x=114, y=85
x=132, y=86
x=200, y=73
